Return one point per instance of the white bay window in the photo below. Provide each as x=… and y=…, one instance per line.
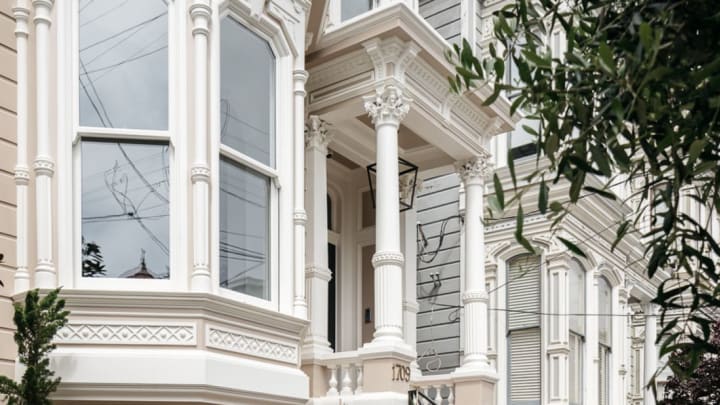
x=248, y=182
x=122, y=139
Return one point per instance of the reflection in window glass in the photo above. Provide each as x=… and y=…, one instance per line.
x=244, y=230
x=605, y=308
x=125, y=210
x=577, y=297
x=123, y=64
x=247, y=104
x=352, y=8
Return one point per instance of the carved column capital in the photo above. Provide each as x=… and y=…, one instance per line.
x=474, y=169
x=200, y=12
x=42, y=11
x=22, y=14
x=388, y=106
x=317, y=135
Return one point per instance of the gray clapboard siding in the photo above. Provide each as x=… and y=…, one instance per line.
x=444, y=16
x=438, y=329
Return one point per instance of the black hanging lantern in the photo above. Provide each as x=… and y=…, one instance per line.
x=408, y=180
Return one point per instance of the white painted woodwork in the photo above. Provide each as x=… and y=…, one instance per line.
x=200, y=279
x=474, y=296
x=651, y=354
x=21, y=12
x=386, y=109
x=591, y=365
x=317, y=273
x=300, y=307
x=45, y=272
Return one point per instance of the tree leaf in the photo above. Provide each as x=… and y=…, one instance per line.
x=499, y=192
x=543, y=196
x=572, y=247
x=606, y=58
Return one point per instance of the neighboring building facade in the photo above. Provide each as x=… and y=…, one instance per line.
x=194, y=174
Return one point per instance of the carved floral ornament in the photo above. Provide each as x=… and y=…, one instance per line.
x=475, y=168
x=316, y=133
x=388, y=105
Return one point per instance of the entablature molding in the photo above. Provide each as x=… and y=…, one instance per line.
x=139, y=306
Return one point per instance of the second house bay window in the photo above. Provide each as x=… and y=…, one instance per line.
x=248, y=177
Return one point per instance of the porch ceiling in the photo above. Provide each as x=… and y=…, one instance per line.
x=352, y=60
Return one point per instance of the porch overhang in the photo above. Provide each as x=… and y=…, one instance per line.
x=394, y=45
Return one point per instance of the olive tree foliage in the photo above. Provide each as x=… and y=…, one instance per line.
x=37, y=322
x=633, y=99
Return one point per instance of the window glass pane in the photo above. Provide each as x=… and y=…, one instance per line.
x=576, y=369
x=247, y=104
x=577, y=297
x=123, y=64
x=352, y=8
x=244, y=230
x=605, y=308
x=125, y=210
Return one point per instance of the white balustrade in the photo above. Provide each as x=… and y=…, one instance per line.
x=438, y=388
x=345, y=368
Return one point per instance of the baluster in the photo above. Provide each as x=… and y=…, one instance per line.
x=332, y=392
x=438, y=395
x=346, y=381
x=427, y=391
x=359, y=382
x=451, y=395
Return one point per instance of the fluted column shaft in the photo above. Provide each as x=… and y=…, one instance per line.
x=387, y=109
x=200, y=172
x=300, y=306
x=45, y=273
x=317, y=274
x=474, y=296
x=651, y=353
x=22, y=172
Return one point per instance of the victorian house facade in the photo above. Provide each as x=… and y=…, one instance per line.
x=281, y=202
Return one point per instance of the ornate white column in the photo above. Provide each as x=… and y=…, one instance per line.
x=21, y=12
x=651, y=354
x=592, y=343
x=317, y=274
x=299, y=216
x=558, y=348
x=620, y=325
x=475, y=296
x=200, y=172
x=386, y=109
x=45, y=273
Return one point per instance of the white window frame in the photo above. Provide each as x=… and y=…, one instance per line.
x=171, y=136
x=280, y=176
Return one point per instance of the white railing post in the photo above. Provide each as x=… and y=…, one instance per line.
x=346, y=381
x=359, y=380
x=332, y=383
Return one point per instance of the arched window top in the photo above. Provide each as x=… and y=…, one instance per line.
x=247, y=87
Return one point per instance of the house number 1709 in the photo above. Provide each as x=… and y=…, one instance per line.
x=401, y=373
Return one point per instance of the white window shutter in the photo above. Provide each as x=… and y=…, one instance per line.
x=523, y=302
x=525, y=367
x=524, y=292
